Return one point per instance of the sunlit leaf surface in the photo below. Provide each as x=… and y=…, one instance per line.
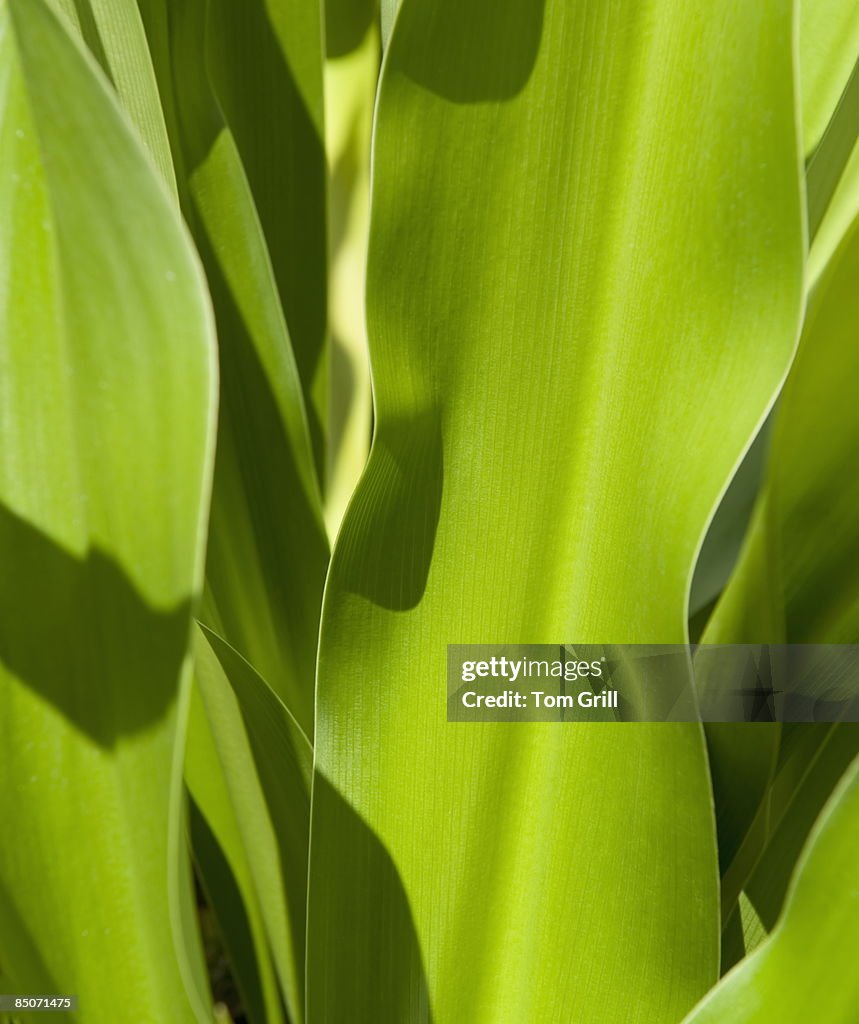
x=543, y=403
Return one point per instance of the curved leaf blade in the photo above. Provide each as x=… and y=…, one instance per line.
x=503, y=162
x=103, y=542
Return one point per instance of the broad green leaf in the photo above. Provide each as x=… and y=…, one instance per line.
x=115, y=36
x=806, y=969
x=552, y=432
x=266, y=762
x=108, y=399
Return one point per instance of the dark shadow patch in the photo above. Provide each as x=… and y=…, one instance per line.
x=347, y=23
x=364, y=958
x=489, y=48
x=386, y=551
x=78, y=633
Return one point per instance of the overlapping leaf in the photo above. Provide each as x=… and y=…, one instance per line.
x=829, y=46
x=829, y=110
x=257, y=820
x=267, y=546
x=805, y=970
x=794, y=581
x=114, y=34
x=265, y=60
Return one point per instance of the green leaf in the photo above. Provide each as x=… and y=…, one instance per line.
x=553, y=430
x=766, y=795
x=829, y=42
x=266, y=762
x=225, y=871
x=727, y=530
x=388, y=12
x=265, y=59
x=828, y=762
x=794, y=580
x=842, y=210
x=743, y=759
x=114, y=33
x=831, y=158
x=268, y=551
x=805, y=970
x=267, y=547
x=102, y=523
x=829, y=62
x=828, y=47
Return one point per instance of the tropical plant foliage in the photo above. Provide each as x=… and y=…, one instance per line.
x=604, y=278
